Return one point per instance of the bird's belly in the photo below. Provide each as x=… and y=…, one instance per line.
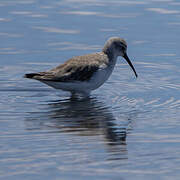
x=83, y=86
x=76, y=86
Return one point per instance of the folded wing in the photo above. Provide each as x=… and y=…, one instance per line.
x=80, y=68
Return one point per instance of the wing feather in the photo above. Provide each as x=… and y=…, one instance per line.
x=79, y=68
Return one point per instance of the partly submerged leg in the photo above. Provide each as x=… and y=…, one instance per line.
x=75, y=95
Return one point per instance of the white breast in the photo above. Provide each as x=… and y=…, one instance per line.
x=101, y=76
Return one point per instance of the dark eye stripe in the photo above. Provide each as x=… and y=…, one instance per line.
x=121, y=45
x=124, y=45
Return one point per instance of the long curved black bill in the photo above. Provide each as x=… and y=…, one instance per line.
x=129, y=62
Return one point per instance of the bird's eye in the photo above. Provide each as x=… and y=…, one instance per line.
x=123, y=48
x=118, y=46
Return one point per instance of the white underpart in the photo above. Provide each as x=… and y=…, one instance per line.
x=85, y=87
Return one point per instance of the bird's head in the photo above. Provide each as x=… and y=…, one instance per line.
x=115, y=47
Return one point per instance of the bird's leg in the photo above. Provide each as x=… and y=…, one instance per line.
x=85, y=95
x=73, y=95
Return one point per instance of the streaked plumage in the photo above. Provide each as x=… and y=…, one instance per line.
x=82, y=74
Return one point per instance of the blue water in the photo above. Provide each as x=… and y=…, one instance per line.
x=128, y=129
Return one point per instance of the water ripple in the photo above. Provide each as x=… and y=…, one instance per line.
x=100, y=14
x=128, y=128
x=56, y=30
x=163, y=11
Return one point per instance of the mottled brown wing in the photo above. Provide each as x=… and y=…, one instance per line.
x=70, y=74
x=79, y=68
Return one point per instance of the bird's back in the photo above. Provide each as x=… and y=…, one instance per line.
x=79, y=68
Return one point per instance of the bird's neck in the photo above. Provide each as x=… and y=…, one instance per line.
x=110, y=53
x=111, y=56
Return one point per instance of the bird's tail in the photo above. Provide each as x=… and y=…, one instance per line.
x=32, y=75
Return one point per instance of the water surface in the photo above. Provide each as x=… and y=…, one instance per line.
x=128, y=129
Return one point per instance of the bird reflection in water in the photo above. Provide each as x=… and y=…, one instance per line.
x=88, y=117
